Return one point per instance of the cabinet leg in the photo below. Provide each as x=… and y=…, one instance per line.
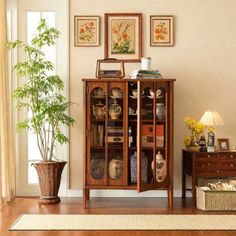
x=85, y=198
x=170, y=198
x=194, y=189
x=87, y=194
x=183, y=185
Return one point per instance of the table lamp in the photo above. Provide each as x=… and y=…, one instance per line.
x=211, y=119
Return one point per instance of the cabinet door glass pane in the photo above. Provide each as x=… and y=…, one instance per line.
x=147, y=132
x=132, y=132
x=160, y=162
x=115, y=134
x=97, y=133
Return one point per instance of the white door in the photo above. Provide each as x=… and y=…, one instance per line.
x=56, y=14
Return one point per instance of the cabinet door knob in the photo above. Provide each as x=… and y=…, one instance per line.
x=232, y=165
x=232, y=156
x=218, y=171
x=208, y=156
x=208, y=163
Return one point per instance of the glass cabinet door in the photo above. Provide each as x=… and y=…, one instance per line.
x=152, y=124
x=146, y=134
x=96, y=121
x=161, y=123
x=116, y=130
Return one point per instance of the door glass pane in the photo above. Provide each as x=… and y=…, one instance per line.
x=160, y=164
x=132, y=132
x=97, y=133
x=147, y=132
x=115, y=134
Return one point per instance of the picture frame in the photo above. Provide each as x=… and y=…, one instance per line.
x=123, y=36
x=161, y=30
x=86, y=31
x=223, y=144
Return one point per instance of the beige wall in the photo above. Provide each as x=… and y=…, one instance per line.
x=203, y=61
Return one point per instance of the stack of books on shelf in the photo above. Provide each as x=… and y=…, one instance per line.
x=152, y=74
x=115, y=134
x=149, y=74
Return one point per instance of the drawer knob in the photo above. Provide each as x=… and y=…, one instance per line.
x=232, y=156
x=208, y=164
x=218, y=171
x=232, y=165
x=208, y=156
x=203, y=165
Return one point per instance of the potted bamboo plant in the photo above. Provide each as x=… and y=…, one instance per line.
x=40, y=95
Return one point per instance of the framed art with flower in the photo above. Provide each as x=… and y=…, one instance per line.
x=87, y=31
x=161, y=30
x=123, y=36
x=223, y=144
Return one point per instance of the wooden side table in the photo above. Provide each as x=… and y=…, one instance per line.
x=203, y=164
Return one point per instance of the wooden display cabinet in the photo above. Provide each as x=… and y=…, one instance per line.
x=125, y=126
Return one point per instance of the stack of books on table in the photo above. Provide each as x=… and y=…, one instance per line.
x=115, y=134
x=149, y=74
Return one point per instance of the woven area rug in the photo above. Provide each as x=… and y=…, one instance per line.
x=125, y=222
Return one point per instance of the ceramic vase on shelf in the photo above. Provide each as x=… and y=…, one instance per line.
x=161, y=167
x=115, y=168
x=160, y=111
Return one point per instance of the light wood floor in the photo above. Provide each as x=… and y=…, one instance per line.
x=9, y=213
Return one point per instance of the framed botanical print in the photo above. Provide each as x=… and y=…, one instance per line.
x=161, y=30
x=123, y=36
x=87, y=31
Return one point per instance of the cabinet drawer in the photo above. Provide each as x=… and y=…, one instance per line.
x=227, y=165
x=227, y=156
x=206, y=165
x=206, y=156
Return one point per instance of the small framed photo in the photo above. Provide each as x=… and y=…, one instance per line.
x=162, y=30
x=86, y=31
x=223, y=144
x=123, y=36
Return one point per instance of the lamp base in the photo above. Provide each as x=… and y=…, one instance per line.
x=210, y=149
x=203, y=149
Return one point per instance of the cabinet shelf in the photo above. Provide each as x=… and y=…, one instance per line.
x=151, y=121
x=98, y=147
x=151, y=148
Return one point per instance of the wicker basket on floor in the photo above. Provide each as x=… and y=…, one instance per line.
x=215, y=200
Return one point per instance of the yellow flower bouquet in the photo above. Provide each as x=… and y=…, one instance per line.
x=196, y=128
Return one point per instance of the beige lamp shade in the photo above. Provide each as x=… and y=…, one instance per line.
x=211, y=118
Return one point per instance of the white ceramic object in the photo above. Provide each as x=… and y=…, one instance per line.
x=146, y=63
x=115, y=168
x=161, y=169
x=116, y=93
x=160, y=111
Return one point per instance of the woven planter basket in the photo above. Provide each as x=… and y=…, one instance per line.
x=49, y=174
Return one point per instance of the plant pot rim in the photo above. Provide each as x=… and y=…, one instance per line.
x=49, y=162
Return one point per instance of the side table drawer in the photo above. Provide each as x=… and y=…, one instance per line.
x=227, y=156
x=206, y=156
x=227, y=165
x=206, y=165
